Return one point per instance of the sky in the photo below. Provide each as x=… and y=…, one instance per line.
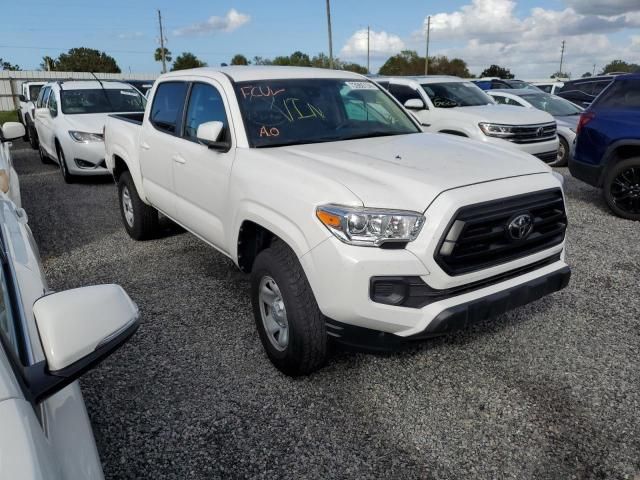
x=522, y=35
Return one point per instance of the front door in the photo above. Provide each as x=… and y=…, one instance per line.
x=201, y=174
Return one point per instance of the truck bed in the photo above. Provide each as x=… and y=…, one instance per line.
x=130, y=117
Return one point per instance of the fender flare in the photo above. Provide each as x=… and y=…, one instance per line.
x=118, y=151
x=608, y=159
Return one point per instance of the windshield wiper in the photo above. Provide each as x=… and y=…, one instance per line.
x=378, y=133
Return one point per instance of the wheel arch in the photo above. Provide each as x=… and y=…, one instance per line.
x=618, y=151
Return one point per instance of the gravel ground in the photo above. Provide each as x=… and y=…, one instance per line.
x=549, y=391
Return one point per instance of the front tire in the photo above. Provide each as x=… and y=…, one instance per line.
x=563, y=154
x=33, y=136
x=64, y=170
x=621, y=188
x=139, y=219
x=290, y=325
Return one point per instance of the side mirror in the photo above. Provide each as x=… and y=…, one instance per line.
x=209, y=134
x=12, y=131
x=78, y=329
x=22, y=98
x=414, y=104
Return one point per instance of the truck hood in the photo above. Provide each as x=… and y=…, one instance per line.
x=503, y=114
x=409, y=171
x=87, y=122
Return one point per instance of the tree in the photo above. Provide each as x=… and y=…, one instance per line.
x=48, y=64
x=441, y=65
x=407, y=62
x=85, y=60
x=4, y=65
x=157, y=55
x=354, y=67
x=261, y=61
x=187, y=60
x=497, y=71
x=239, y=60
x=561, y=75
x=620, y=66
x=586, y=74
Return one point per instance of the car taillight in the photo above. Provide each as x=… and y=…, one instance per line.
x=585, y=118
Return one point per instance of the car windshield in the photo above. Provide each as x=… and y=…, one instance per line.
x=551, y=104
x=456, y=94
x=299, y=111
x=108, y=100
x=34, y=90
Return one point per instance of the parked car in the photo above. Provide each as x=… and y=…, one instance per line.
x=47, y=341
x=565, y=113
x=495, y=83
x=9, y=183
x=584, y=90
x=354, y=224
x=29, y=94
x=70, y=119
x=143, y=86
x=458, y=107
x=549, y=87
x=607, y=153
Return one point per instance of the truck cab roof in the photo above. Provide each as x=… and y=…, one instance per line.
x=242, y=73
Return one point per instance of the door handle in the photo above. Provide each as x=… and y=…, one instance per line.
x=145, y=146
x=179, y=159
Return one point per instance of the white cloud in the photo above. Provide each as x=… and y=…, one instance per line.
x=604, y=7
x=491, y=32
x=130, y=35
x=382, y=44
x=230, y=22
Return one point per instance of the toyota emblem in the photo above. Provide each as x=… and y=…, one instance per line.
x=520, y=226
x=540, y=132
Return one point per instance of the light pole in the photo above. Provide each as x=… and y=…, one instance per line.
x=426, y=57
x=330, y=39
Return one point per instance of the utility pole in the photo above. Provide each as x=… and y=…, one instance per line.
x=368, y=49
x=561, y=57
x=594, y=70
x=330, y=39
x=426, y=57
x=162, y=50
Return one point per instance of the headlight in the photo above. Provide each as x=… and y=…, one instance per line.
x=85, y=137
x=370, y=227
x=496, y=130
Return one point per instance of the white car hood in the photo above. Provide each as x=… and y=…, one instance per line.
x=503, y=114
x=409, y=171
x=87, y=122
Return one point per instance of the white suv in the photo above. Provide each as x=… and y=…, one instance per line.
x=458, y=107
x=70, y=118
x=28, y=96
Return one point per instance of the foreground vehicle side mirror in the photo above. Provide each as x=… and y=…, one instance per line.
x=11, y=131
x=414, y=104
x=209, y=134
x=22, y=98
x=78, y=329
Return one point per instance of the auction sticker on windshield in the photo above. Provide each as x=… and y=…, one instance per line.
x=361, y=85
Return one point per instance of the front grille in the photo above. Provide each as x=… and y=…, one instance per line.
x=478, y=236
x=533, y=133
x=547, y=157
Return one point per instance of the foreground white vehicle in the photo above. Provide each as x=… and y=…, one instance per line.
x=47, y=341
x=353, y=223
x=70, y=119
x=29, y=94
x=458, y=107
x=9, y=183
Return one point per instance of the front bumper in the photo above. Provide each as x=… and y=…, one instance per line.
x=457, y=316
x=535, y=148
x=85, y=159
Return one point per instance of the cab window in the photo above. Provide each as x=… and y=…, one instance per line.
x=205, y=105
x=53, y=105
x=403, y=93
x=8, y=328
x=168, y=104
x=43, y=97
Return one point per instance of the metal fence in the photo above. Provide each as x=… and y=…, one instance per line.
x=11, y=82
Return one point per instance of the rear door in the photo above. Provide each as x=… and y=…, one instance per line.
x=46, y=120
x=201, y=174
x=159, y=144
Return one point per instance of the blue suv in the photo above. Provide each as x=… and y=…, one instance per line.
x=607, y=153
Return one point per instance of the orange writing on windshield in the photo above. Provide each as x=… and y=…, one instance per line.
x=252, y=92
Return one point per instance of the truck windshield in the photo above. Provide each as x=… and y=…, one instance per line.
x=109, y=100
x=556, y=106
x=34, y=90
x=456, y=94
x=298, y=111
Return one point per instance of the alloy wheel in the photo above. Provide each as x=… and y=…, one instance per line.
x=625, y=190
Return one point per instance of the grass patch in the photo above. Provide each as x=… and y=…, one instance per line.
x=11, y=116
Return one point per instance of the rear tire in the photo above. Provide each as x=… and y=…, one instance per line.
x=305, y=349
x=44, y=158
x=621, y=188
x=33, y=136
x=139, y=219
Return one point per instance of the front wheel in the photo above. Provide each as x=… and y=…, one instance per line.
x=139, y=219
x=622, y=188
x=33, y=136
x=291, y=327
x=64, y=170
x=562, y=160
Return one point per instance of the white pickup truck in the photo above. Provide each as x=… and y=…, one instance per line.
x=354, y=224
